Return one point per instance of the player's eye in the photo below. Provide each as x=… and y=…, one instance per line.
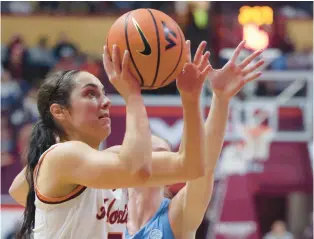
x=91, y=93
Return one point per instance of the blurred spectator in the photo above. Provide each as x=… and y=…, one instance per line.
x=129, y=5
x=65, y=53
x=48, y=6
x=30, y=103
x=16, y=39
x=28, y=110
x=5, y=7
x=278, y=231
x=41, y=55
x=66, y=63
x=10, y=92
x=299, y=10
x=16, y=59
x=101, y=7
x=64, y=47
x=80, y=7
x=20, y=7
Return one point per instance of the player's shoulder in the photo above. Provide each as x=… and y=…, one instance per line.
x=114, y=149
x=68, y=150
x=70, y=145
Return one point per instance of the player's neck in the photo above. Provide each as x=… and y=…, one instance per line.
x=94, y=143
x=143, y=203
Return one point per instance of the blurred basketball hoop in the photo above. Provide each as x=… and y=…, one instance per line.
x=257, y=140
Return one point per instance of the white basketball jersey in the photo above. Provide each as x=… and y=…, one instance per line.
x=85, y=213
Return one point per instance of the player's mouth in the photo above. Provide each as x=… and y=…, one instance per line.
x=105, y=117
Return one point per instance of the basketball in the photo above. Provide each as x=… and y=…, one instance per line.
x=156, y=45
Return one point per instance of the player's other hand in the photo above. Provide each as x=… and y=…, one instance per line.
x=119, y=74
x=229, y=80
x=191, y=79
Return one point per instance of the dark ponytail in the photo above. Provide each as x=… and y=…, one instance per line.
x=56, y=89
x=42, y=138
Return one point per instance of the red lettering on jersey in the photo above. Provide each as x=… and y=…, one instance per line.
x=102, y=213
x=124, y=217
x=113, y=216
x=109, y=209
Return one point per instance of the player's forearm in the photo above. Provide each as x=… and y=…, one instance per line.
x=215, y=127
x=193, y=140
x=137, y=146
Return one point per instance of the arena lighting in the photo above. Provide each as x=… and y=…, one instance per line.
x=251, y=18
x=259, y=15
x=256, y=39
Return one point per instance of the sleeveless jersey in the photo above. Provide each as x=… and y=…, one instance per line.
x=158, y=227
x=85, y=213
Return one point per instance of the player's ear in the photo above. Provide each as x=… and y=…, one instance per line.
x=57, y=112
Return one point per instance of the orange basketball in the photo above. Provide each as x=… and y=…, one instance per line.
x=156, y=45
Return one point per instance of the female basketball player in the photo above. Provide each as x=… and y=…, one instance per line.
x=74, y=109
x=151, y=215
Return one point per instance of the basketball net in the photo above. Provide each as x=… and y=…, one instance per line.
x=257, y=138
x=256, y=142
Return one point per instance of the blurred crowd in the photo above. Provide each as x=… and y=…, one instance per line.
x=80, y=7
x=293, y=9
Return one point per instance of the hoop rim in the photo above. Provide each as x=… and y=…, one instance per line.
x=257, y=130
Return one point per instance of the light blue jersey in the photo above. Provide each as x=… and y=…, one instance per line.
x=158, y=227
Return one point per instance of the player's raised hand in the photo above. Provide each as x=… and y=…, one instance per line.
x=119, y=74
x=191, y=79
x=229, y=80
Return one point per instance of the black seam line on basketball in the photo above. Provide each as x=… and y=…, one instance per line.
x=178, y=60
x=158, y=47
x=65, y=200
x=128, y=46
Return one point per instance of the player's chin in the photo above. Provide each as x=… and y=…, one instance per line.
x=106, y=130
